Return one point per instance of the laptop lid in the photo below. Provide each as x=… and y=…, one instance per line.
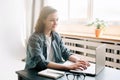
x=100, y=58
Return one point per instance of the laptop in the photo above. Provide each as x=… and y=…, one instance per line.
x=94, y=68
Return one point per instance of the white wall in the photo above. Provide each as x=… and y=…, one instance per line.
x=12, y=27
x=12, y=24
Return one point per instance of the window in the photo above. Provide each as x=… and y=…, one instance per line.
x=70, y=9
x=84, y=10
x=61, y=6
x=78, y=9
x=107, y=9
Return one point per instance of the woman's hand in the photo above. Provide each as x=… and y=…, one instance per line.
x=80, y=64
x=86, y=63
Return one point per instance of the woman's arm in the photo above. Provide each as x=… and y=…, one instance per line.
x=57, y=66
x=35, y=52
x=81, y=64
x=74, y=58
x=65, y=67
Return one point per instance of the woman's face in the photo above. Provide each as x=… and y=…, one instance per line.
x=51, y=22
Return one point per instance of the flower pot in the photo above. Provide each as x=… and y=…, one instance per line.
x=98, y=32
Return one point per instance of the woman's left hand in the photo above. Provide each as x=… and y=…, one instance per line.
x=84, y=64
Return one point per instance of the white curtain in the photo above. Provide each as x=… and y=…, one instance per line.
x=33, y=8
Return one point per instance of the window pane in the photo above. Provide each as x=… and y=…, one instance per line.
x=61, y=6
x=106, y=9
x=78, y=9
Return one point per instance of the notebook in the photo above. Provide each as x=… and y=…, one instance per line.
x=94, y=68
x=51, y=73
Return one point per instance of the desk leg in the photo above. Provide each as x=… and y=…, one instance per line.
x=20, y=78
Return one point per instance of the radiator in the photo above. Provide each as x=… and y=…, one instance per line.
x=85, y=47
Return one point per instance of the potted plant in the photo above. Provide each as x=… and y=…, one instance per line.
x=100, y=25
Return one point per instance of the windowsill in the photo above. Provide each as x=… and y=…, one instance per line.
x=111, y=33
x=90, y=35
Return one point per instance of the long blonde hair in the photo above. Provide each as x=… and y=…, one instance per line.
x=39, y=28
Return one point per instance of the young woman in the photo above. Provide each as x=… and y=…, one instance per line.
x=45, y=48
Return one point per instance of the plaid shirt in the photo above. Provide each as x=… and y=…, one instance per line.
x=36, y=50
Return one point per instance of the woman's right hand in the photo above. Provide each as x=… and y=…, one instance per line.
x=77, y=65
